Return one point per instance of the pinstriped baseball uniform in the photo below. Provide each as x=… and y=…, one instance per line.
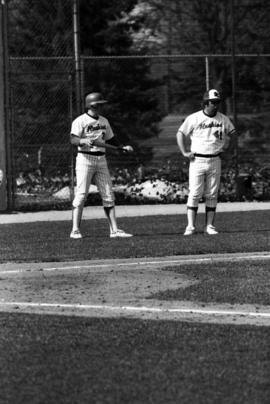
x=208, y=135
x=91, y=163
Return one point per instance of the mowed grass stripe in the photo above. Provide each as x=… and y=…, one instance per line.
x=154, y=236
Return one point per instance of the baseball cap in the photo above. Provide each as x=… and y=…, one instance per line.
x=211, y=95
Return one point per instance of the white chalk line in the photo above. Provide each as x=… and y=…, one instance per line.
x=140, y=263
x=136, y=309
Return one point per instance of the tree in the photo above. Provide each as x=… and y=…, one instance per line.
x=184, y=27
x=40, y=28
x=133, y=108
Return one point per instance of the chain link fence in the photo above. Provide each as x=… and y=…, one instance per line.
x=40, y=48
x=42, y=99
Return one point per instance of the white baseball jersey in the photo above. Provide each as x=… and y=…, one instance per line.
x=95, y=129
x=208, y=134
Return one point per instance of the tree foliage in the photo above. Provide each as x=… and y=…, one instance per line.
x=133, y=107
x=184, y=27
x=40, y=28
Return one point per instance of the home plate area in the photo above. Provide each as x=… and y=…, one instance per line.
x=220, y=288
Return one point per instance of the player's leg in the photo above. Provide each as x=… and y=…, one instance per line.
x=104, y=184
x=84, y=172
x=1, y=177
x=191, y=216
x=210, y=214
x=110, y=214
x=115, y=232
x=211, y=193
x=196, y=187
x=76, y=218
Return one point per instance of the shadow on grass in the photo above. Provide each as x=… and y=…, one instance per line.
x=222, y=282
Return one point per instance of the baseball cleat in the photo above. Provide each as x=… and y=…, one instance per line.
x=120, y=233
x=75, y=234
x=210, y=229
x=189, y=231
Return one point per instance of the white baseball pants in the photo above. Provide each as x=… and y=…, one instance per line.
x=88, y=168
x=204, y=179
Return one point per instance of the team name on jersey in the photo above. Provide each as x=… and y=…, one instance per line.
x=213, y=124
x=93, y=128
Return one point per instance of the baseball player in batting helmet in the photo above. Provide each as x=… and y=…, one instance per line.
x=90, y=132
x=209, y=132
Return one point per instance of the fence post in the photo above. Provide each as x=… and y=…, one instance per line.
x=207, y=73
x=238, y=190
x=6, y=190
x=72, y=185
x=78, y=79
x=77, y=56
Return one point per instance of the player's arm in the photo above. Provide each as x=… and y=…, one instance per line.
x=182, y=145
x=78, y=141
x=229, y=142
x=112, y=141
x=76, y=133
x=115, y=142
x=229, y=146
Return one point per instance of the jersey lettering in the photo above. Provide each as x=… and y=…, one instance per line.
x=214, y=124
x=95, y=127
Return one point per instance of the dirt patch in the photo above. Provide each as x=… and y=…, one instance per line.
x=118, y=288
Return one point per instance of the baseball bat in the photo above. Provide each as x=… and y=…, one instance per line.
x=108, y=146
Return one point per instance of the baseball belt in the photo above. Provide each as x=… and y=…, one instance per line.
x=206, y=155
x=92, y=153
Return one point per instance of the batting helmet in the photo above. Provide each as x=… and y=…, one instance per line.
x=211, y=95
x=93, y=99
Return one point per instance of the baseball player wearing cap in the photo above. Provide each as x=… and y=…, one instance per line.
x=209, y=132
x=90, y=132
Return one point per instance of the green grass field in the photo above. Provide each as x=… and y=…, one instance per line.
x=222, y=282
x=74, y=359
x=68, y=360
x=153, y=236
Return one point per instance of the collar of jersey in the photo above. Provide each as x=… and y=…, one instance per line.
x=209, y=116
x=93, y=117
